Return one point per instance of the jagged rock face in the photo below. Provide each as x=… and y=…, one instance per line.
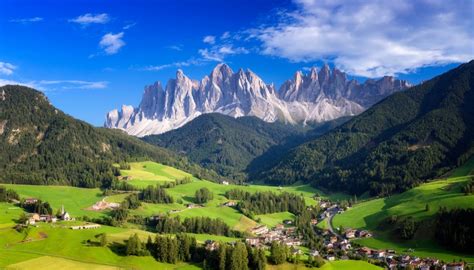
x=313, y=97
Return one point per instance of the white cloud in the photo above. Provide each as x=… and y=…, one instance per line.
x=26, y=20
x=209, y=39
x=175, y=47
x=128, y=26
x=89, y=18
x=372, y=38
x=111, y=43
x=187, y=63
x=75, y=84
x=12, y=82
x=6, y=68
x=219, y=52
x=225, y=35
x=57, y=85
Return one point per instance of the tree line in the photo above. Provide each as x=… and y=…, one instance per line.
x=266, y=202
x=7, y=195
x=455, y=229
x=184, y=248
x=155, y=194
x=167, y=224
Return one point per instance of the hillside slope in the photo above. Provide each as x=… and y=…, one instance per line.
x=405, y=139
x=378, y=216
x=234, y=147
x=223, y=143
x=42, y=145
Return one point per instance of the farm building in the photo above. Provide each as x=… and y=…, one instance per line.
x=85, y=227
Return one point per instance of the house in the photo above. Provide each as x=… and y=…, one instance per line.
x=314, y=253
x=279, y=227
x=365, y=250
x=260, y=230
x=225, y=183
x=64, y=215
x=34, y=216
x=350, y=234
x=252, y=241
x=330, y=257
x=85, y=226
x=380, y=254
x=230, y=203
x=333, y=239
x=455, y=266
x=192, y=205
x=288, y=221
x=31, y=201
x=346, y=246
x=314, y=221
x=46, y=218
x=211, y=245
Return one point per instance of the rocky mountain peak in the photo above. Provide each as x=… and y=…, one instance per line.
x=312, y=97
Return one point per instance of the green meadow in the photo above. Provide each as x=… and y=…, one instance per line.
x=55, y=246
x=151, y=173
x=439, y=193
x=273, y=219
x=75, y=200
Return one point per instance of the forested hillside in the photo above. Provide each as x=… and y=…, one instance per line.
x=42, y=145
x=236, y=147
x=223, y=143
x=405, y=139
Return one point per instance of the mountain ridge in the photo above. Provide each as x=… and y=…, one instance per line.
x=398, y=143
x=306, y=98
x=42, y=145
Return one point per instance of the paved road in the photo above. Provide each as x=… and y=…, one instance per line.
x=331, y=229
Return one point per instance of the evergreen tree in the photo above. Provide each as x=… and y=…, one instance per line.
x=260, y=259
x=222, y=256
x=134, y=245
x=278, y=253
x=239, y=257
x=103, y=240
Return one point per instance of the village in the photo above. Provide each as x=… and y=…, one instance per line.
x=337, y=246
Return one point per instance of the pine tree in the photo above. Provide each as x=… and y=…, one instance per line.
x=239, y=257
x=103, y=240
x=277, y=253
x=222, y=254
x=260, y=260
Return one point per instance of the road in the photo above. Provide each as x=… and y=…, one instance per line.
x=331, y=229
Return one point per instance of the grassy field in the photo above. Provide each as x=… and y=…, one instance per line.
x=48, y=262
x=8, y=214
x=75, y=200
x=349, y=265
x=444, y=192
x=151, y=173
x=146, y=173
x=272, y=220
x=58, y=247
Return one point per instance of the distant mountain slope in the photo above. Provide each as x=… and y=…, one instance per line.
x=306, y=98
x=410, y=136
x=223, y=143
x=42, y=145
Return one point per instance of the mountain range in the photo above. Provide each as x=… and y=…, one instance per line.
x=409, y=137
x=306, y=98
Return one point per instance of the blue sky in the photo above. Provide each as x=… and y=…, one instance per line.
x=93, y=56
